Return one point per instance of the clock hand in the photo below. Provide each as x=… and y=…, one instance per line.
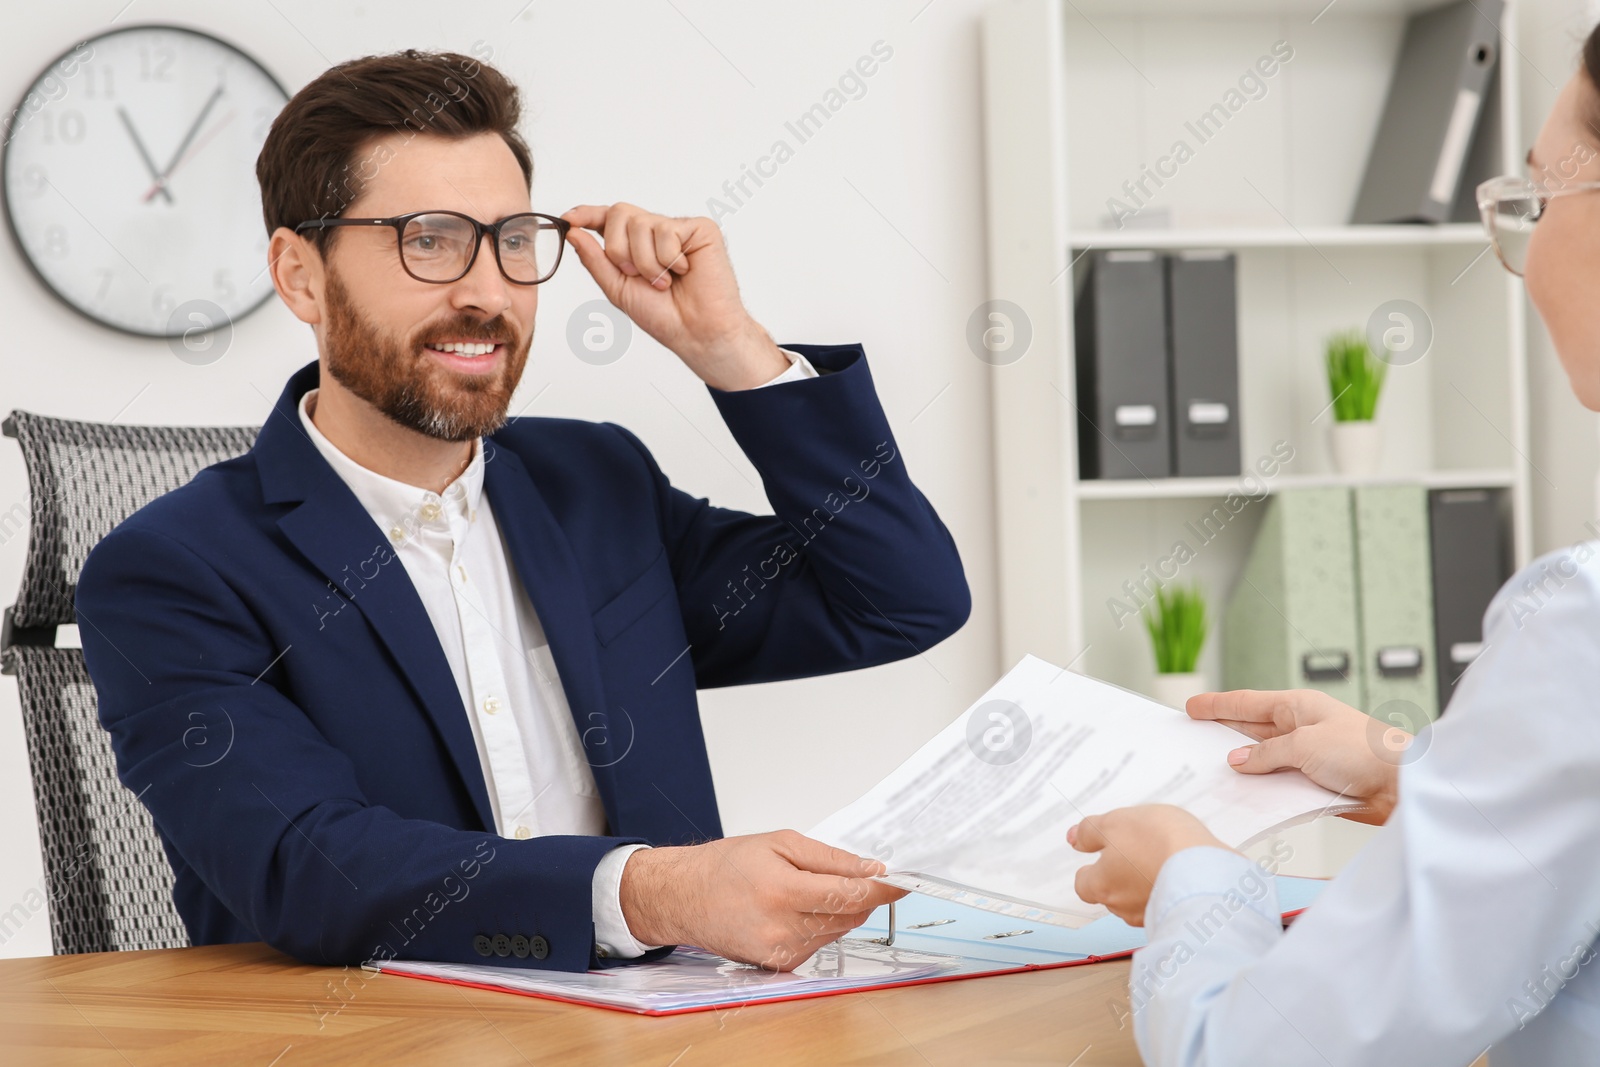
x=144, y=155
x=194, y=127
x=193, y=151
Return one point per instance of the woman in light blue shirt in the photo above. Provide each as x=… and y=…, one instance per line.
x=1470, y=921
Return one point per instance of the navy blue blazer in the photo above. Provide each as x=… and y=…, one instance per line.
x=276, y=694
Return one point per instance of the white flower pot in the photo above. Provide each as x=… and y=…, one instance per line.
x=1356, y=447
x=1174, y=690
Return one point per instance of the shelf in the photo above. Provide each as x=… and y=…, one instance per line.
x=1311, y=11
x=1081, y=98
x=1454, y=233
x=1200, y=488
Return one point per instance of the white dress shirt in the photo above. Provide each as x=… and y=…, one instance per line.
x=1469, y=920
x=538, y=778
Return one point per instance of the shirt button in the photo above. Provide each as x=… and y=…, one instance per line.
x=491, y=705
x=430, y=512
x=462, y=571
x=523, y=833
x=397, y=534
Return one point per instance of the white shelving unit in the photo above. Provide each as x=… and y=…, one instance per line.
x=1454, y=233
x=1080, y=95
x=1192, y=488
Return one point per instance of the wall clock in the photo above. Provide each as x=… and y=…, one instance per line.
x=129, y=179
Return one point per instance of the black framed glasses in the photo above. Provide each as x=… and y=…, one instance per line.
x=441, y=246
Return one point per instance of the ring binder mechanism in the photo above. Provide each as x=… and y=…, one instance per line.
x=887, y=939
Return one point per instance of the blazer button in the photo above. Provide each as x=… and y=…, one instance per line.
x=502, y=945
x=519, y=947
x=482, y=945
x=539, y=947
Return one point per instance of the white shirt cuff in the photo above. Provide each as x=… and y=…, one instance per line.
x=799, y=367
x=612, y=938
x=1202, y=875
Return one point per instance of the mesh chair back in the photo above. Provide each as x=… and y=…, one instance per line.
x=110, y=886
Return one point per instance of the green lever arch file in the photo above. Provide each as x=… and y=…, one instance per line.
x=1291, y=622
x=1396, y=604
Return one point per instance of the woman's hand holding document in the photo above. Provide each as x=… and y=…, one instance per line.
x=980, y=813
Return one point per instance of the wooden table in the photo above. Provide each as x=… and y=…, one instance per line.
x=247, y=1004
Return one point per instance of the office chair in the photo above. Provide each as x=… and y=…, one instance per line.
x=110, y=885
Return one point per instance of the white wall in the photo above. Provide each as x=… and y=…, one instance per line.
x=635, y=101
x=1565, y=435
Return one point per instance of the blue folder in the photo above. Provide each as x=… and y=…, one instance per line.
x=990, y=943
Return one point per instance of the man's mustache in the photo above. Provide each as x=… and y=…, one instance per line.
x=496, y=329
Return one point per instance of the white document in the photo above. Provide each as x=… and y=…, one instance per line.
x=980, y=813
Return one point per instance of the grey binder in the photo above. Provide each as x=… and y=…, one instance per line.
x=1431, y=113
x=1483, y=159
x=1203, y=339
x=1121, y=330
x=1471, y=561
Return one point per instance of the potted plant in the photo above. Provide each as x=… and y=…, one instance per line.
x=1355, y=378
x=1177, y=629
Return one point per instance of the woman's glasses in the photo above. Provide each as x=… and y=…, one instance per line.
x=1511, y=208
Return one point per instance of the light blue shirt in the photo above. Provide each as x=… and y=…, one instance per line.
x=1469, y=921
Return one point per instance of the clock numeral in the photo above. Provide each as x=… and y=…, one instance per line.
x=67, y=126
x=105, y=284
x=223, y=284
x=49, y=90
x=155, y=63
x=35, y=180
x=98, y=83
x=55, y=240
x=161, y=301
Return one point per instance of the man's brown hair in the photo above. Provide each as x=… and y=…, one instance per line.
x=317, y=159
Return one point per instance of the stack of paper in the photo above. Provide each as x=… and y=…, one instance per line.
x=979, y=814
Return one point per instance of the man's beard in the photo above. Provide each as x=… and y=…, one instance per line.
x=405, y=383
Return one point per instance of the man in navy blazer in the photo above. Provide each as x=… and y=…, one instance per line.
x=318, y=705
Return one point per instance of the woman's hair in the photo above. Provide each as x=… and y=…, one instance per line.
x=320, y=152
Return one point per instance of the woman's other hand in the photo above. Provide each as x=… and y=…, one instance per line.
x=1333, y=744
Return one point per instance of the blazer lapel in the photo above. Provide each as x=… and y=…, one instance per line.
x=334, y=532
x=548, y=569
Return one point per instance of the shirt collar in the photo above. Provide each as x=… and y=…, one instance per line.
x=395, y=505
